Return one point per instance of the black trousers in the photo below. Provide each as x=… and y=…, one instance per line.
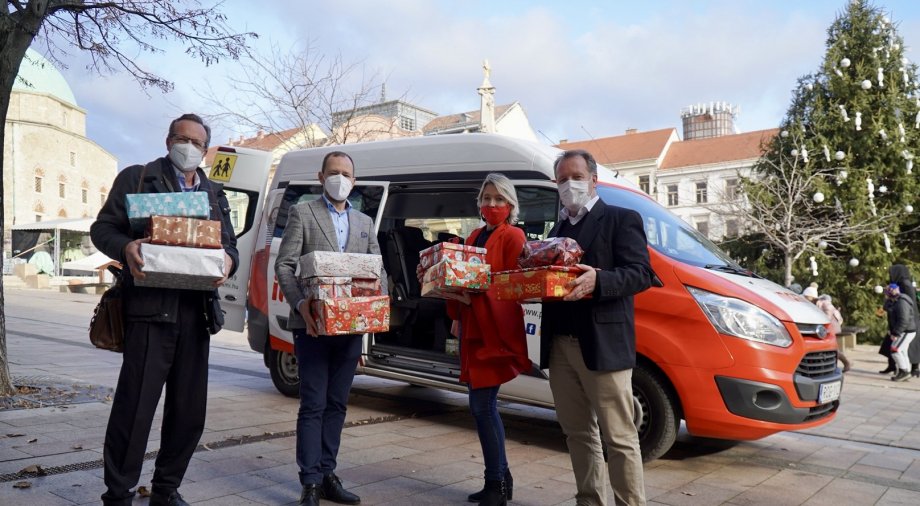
x=158, y=353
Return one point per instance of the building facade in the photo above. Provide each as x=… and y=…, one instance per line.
x=51, y=170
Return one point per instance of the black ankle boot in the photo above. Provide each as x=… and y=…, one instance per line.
x=915, y=371
x=889, y=370
x=494, y=494
x=509, y=489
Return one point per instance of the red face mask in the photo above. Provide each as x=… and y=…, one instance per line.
x=495, y=215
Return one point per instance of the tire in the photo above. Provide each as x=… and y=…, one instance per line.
x=660, y=419
x=283, y=369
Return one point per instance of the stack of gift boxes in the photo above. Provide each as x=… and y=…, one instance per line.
x=453, y=269
x=344, y=290
x=547, y=267
x=184, y=249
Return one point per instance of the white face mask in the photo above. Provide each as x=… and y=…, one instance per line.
x=186, y=156
x=337, y=187
x=574, y=194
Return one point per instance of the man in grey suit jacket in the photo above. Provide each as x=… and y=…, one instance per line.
x=326, y=364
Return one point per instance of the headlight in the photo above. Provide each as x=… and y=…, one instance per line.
x=734, y=317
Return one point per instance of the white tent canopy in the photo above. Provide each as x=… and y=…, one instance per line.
x=55, y=226
x=73, y=224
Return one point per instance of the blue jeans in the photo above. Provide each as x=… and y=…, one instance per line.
x=326, y=365
x=484, y=408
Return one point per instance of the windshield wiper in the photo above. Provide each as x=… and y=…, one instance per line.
x=729, y=268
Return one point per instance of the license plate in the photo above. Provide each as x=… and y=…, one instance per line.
x=829, y=392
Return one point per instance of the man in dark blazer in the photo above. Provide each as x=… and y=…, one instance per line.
x=589, y=344
x=167, y=331
x=326, y=364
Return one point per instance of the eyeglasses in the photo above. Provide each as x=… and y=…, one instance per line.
x=185, y=140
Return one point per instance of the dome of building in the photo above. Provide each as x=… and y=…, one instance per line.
x=43, y=77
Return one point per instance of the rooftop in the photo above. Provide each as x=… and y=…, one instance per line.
x=624, y=148
x=744, y=146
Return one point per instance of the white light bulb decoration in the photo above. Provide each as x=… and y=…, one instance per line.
x=887, y=242
x=909, y=208
x=881, y=77
x=840, y=155
x=883, y=134
x=883, y=189
x=858, y=121
x=804, y=155
x=845, y=63
x=827, y=152
x=854, y=262
x=910, y=166
x=794, y=152
x=866, y=84
x=843, y=174
x=838, y=72
x=878, y=289
x=901, y=132
x=814, y=266
x=818, y=197
x=843, y=112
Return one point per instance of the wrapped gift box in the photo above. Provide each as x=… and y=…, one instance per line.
x=431, y=256
x=190, y=232
x=141, y=206
x=349, y=265
x=326, y=287
x=534, y=285
x=352, y=315
x=365, y=287
x=448, y=278
x=552, y=251
x=179, y=267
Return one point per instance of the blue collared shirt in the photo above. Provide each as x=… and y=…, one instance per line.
x=182, y=186
x=339, y=222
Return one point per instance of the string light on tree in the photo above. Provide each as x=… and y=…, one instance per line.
x=881, y=77
x=858, y=121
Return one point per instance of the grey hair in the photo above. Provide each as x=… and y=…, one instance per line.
x=505, y=188
x=824, y=296
x=574, y=153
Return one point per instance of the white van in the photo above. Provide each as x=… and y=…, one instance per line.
x=734, y=355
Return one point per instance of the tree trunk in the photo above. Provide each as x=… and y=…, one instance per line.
x=16, y=36
x=787, y=268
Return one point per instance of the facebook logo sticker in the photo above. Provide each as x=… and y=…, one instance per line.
x=531, y=328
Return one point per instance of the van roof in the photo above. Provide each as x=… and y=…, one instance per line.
x=450, y=155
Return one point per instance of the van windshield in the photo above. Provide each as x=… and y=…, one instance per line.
x=667, y=233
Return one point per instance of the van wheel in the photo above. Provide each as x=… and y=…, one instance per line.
x=660, y=420
x=283, y=369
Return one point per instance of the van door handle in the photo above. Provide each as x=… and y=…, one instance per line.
x=231, y=298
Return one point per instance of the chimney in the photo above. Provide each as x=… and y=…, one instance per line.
x=241, y=139
x=563, y=141
x=260, y=134
x=630, y=131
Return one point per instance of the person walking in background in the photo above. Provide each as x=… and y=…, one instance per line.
x=167, y=331
x=900, y=274
x=588, y=340
x=493, y=345
x=902, y=327
x=326, y=364
x=833, y=314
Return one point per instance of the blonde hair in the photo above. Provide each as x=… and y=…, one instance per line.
x=505, y=188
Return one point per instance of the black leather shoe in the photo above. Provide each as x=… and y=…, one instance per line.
x=310, y=495
x=509, y=489
x=173, y=499
x=334, y=491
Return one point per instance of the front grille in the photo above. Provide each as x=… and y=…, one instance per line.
x=817, y=364
x=821, y=411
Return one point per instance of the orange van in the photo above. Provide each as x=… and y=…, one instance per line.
x=732, y=354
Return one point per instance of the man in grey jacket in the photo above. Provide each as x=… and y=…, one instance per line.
x=902, y=327
x=326, y=364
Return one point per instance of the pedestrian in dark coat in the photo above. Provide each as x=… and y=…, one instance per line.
x=900, y=274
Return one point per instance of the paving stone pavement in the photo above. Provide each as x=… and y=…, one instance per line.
x=411, y=445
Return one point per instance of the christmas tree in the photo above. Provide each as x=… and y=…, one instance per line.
x=848, y=143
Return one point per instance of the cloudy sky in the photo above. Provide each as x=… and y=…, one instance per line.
x=579, y=68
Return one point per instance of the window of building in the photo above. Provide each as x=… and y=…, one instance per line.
x=672, y=194
x=644, y=184
x=731, y=228
x=731, y=189
x=406, y=123
x=84, y=195
x=62, y=190
x=701, y=193
x=73, y=159
x=38, y=184
x=702, y=227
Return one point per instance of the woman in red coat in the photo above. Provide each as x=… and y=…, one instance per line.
x=493, y=346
